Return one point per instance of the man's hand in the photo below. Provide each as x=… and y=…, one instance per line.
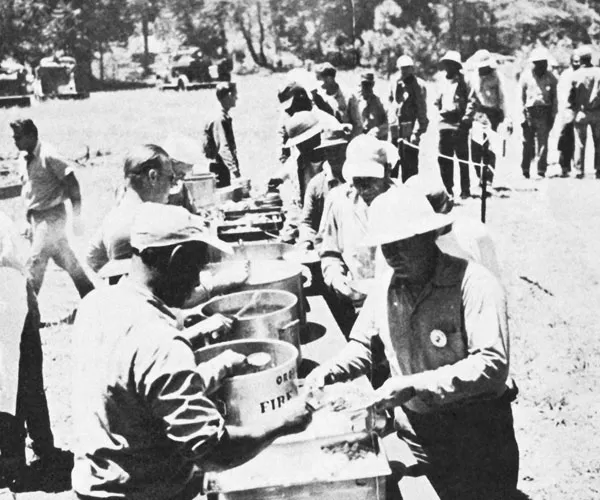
x=341, y=286
x=231, y=361
x=207, y=331
x=394, y=392
x=296, y=416
x=27, y=232
x=317, y=379
x=415, y=139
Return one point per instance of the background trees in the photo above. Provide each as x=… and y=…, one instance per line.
x=344, y=32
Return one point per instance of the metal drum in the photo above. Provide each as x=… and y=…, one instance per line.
x=273, y=275
x=259, y=314
x=202, y=188
x=255, y=397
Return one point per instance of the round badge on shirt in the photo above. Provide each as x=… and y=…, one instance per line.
x=438, y=338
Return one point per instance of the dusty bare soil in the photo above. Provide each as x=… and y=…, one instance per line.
x=547, y=241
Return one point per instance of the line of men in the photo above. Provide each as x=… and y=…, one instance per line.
x=461, y=103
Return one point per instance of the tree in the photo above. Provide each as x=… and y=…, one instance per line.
x=145, y=12
x=20, y=29
x=83, y=27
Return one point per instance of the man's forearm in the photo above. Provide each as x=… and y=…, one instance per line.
x=73, y=193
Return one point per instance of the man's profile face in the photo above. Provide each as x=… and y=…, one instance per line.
x=369, y=188
x=406, y=71
x=22, y=141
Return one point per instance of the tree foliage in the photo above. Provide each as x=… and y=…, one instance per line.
x=345, y=32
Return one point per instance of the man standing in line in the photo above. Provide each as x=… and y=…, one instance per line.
x=487, y=106
x=219, y=141
x=454, y=130
x=366, y=111
x=566, y=138
x=443, y=323
x=48, y=182
x=410, y=97
x=334, y=95
x=540, y=105
x=584, y=100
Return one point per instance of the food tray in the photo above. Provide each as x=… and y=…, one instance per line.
x=236, y=214
x=244, y=233
x=330, y=460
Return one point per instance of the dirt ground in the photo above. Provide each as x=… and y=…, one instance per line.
x=544, y=232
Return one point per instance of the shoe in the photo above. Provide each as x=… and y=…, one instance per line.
x=564, y=174
x=541, y=175
x=526, y=175
x=597, y=175
x=579, y=176
x=465, y=195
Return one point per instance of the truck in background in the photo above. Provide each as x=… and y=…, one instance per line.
x=56, y=78
x=190, y=69
x=14, y=87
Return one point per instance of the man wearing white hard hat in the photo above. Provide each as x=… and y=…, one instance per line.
x=566, y=134
x=451, y=102
x=142, y=420
x=540, y=105
x=584, y=100
x=443, y=323
x=409, y=95
x=487, y=106
x=345, y=260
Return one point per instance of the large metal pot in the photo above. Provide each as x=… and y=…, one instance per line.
x=272, y=275
x=265, y=314
x=249, y=399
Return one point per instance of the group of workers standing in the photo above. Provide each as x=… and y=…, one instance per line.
x=415, y=290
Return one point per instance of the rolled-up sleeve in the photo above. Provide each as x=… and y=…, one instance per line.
x=97, y=254
x=175, y=393
x=483, y=372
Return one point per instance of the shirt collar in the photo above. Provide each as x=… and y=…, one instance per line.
x=35, y=153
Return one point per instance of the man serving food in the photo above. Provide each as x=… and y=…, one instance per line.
x=143, y=423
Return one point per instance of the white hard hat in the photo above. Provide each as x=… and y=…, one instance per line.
x=404, y=61
x=452, y=55
x=538, y=54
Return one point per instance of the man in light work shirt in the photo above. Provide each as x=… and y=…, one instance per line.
x=409, y=95
x=540, y=105
x=366, y=111
x=334, y=95
x=143, y=424
x=48, y=182
x=443, y=323
x=219, y=140
x=584, y=100
x=487, y=106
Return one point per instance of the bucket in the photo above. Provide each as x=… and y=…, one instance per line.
x=266, y=314
x=255, y=397
x=202, y=189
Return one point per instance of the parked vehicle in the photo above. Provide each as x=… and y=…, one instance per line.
x=56, y=77
x=14, y=88
x=190, y=69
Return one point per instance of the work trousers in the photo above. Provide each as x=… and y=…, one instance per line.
x=468, y=453
x=454, y=142
x=580, y=143
x=222, y=172
x=536, y=130
x=482, y=153
x=566, y=146
x=32, y=406
x=409, y=155
x=49, y=241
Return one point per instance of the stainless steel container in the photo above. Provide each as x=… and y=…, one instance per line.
x=272, y=314
x=202, y=189
x=273, y=275
x=255, y=397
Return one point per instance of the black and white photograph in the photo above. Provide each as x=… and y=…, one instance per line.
x=299, y=249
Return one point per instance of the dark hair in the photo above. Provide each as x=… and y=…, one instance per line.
x=224, y=89
x=142, y=159
x=158, y=258
x=24, y=127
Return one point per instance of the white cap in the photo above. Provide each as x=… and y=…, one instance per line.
x=452, y=55
x=366, y=156
x=538, y=54
x=156, y=225
x=404, y=61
